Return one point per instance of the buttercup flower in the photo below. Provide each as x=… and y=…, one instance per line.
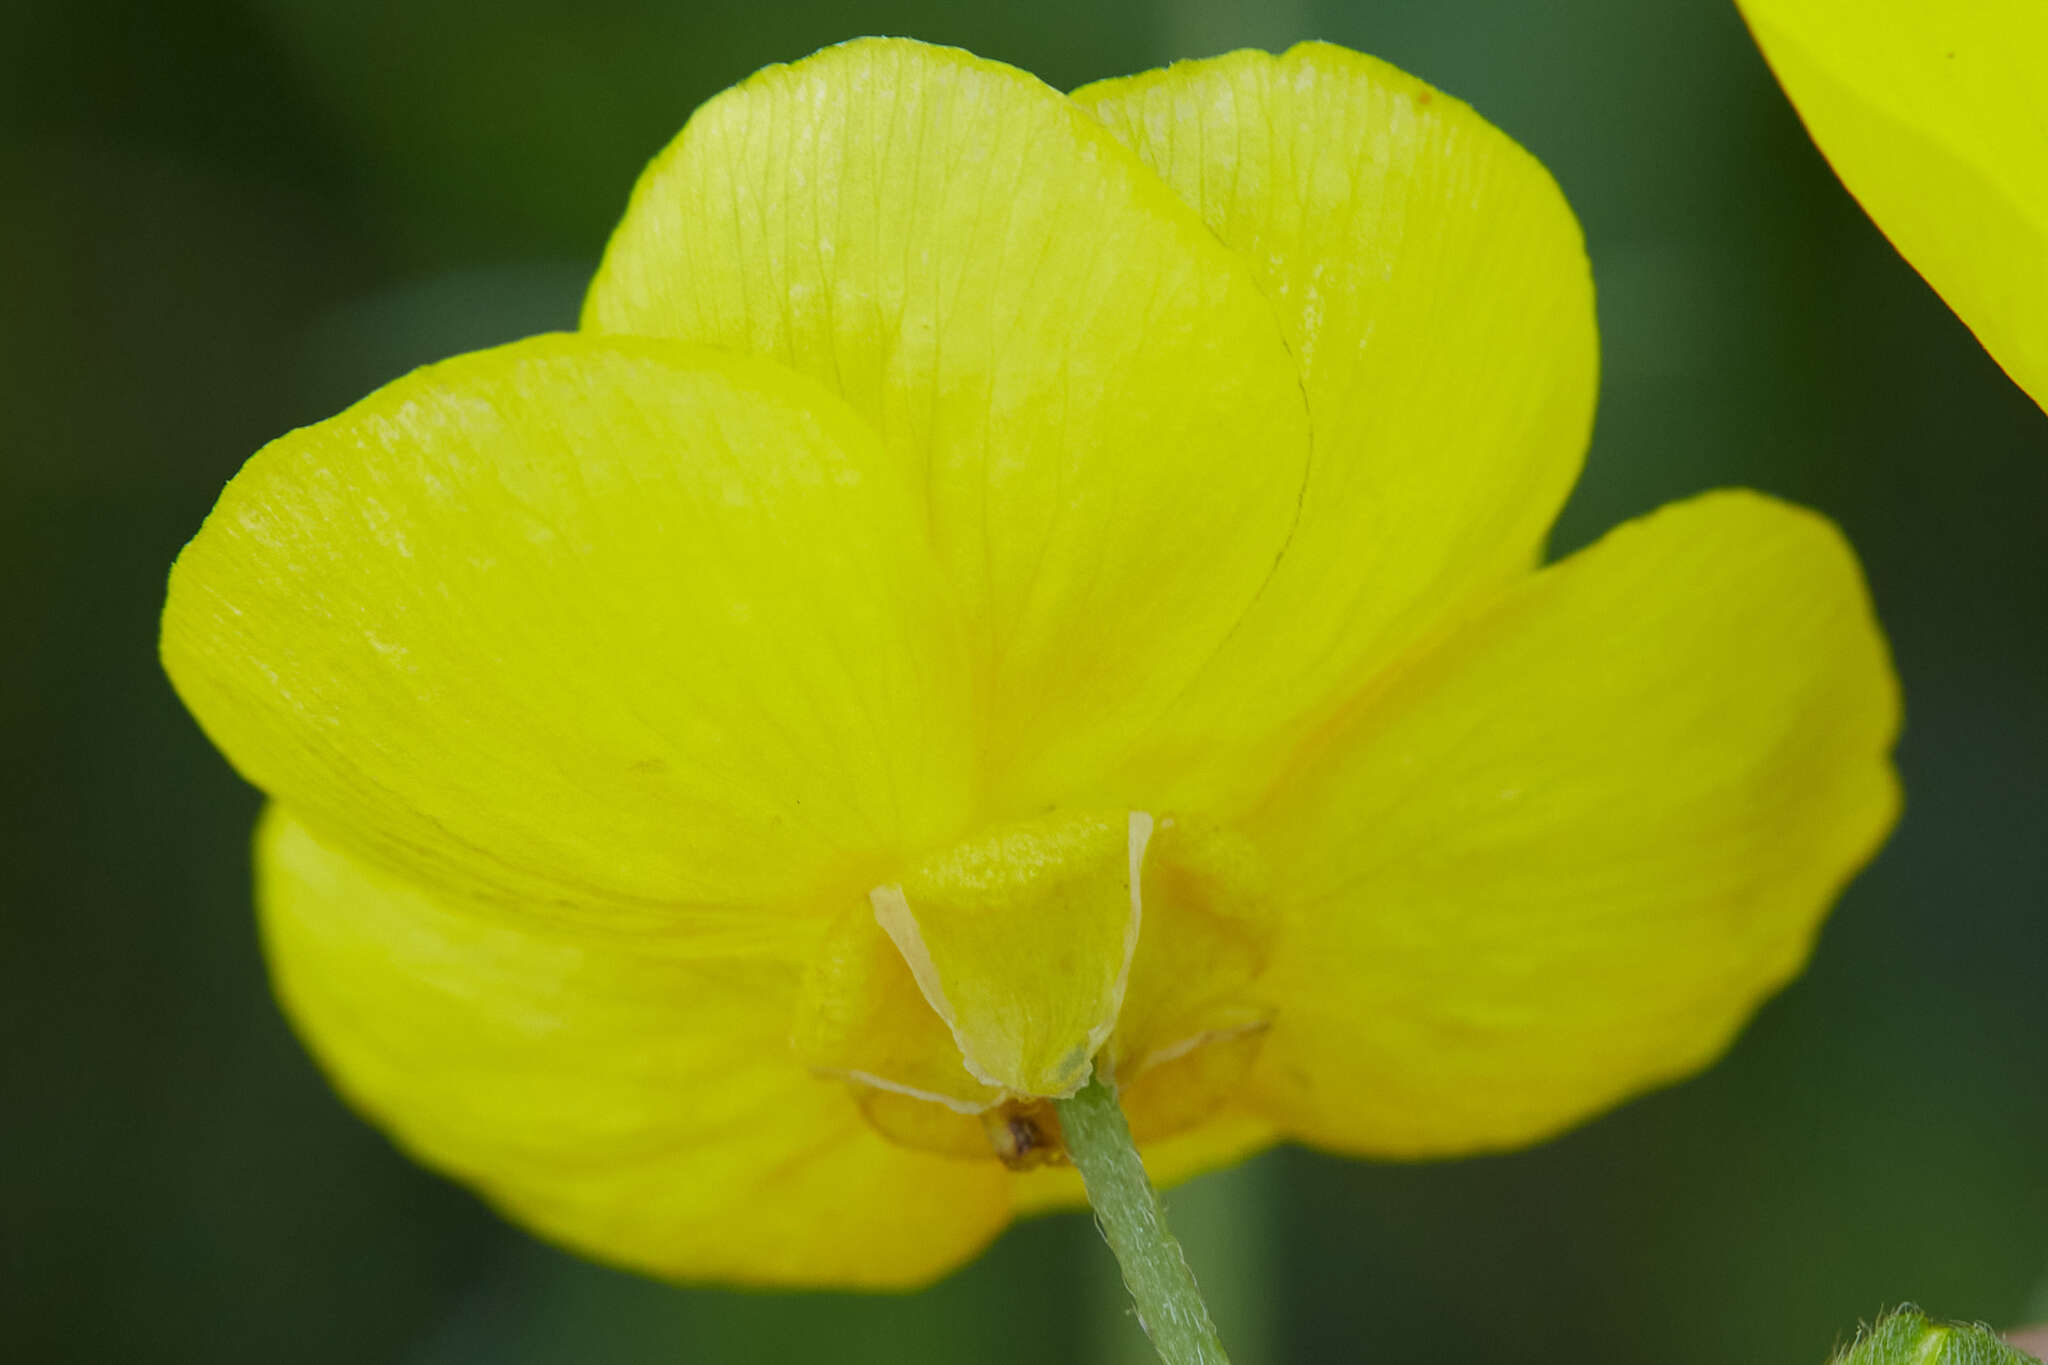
x=1935, y=115
x=1003, y=582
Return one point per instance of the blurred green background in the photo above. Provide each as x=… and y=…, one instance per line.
x=225, y=219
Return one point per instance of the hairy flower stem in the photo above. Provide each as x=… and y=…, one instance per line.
x=1170, y=1307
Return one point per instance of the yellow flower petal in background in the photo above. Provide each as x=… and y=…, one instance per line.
x=1092, y=391
x=633, y=1098
x=1433, y=285
x=1563, y=857
x=586, y=621
x=1935, y=115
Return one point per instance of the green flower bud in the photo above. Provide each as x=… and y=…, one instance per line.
x=1909, y=1337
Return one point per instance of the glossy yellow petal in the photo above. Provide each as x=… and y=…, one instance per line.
x=1935, y=115
x=1563, y=856
x=590, y=622
x=1091, y=390
x=1434, y=286
x=631, y=1097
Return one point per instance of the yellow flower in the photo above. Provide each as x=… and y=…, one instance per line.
x=1935, y=115
x=1002, y=579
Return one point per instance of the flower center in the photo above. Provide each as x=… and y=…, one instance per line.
x=993, y=976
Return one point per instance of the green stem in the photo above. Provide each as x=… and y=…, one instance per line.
x=1170, y=1307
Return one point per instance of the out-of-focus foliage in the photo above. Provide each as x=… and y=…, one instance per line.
x=226, y=219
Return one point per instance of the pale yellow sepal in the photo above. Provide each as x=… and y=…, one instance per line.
x=1095, y=399
x=1021, y=941
x=862, y=1019
x=1935, y=115
x=1209, y=928
x=1433, y=286
x=1562, y=857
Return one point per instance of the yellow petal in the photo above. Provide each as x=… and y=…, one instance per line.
x=586, y=621
x=632, y=1098
x=1563, y=856
x=1093, y=394
x=1434, y=285
x=1935, y=115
